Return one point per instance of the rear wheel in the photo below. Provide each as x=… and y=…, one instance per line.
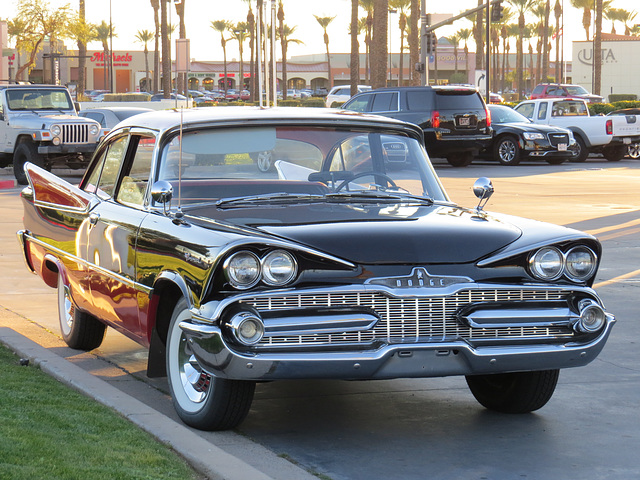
x=462, y=159
x=79, y=329
x=634, y=150
x=615, y=154
x=25, y=152
x=507, y=151
x=583, y=151
x=520, y=392
x=201, y=400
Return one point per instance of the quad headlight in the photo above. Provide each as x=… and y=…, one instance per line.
x=577, y=264
x=245, y=269
x=547, y=263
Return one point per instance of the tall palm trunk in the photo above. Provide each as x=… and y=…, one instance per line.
x=155, y=4
x=166, y=50
x=82, y=55
x=379, y=44
x=355, y=49
x=414, y=40
x=545, y=41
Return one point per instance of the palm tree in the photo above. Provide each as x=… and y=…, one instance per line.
x=367, y=5
x=401, y=5
x=522, y=6
x=239, y=32
x=324, y=23
x=379, y=52
x=478, y=36
x=538, y=10
x=454, y=39
x=144, y=37
x=251, y=25
x=557, y=12
x=222, y=26
x=414, y=40
x=626, y=18
x=545, y=40
x=82, y=49
x=585, y=6
x=166, y=50
x=285, y=39
x=155, y=4
x=354, y=73
x=615, y=15
x=465, y=34
x=102, y=35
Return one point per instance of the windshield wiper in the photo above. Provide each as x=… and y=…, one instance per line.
x=280, y=198
x=379, y=196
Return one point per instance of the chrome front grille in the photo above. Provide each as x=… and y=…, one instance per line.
x=75, y=133
x=413, y=319
x=557, y=138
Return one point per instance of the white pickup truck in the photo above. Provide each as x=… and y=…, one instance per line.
x=609, y=135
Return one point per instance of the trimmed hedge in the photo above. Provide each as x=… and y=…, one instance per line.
x=620, y=97
x=127, y=97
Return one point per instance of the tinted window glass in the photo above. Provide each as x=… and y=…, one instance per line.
x=359, y=104
x=542, y=113
x=385, y=102
x=458, y=100
x=418, y=100
x=538, y=89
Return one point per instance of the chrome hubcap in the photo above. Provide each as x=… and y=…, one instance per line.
x=195, y=382
x=507, y=151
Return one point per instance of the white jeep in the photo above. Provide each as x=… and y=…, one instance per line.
x=39, y=124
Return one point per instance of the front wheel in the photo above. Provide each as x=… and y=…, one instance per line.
x=520, y=392
x=583, y=151
x=79, y=329
x=201, y=400
x=25, y=152
x=507, y=151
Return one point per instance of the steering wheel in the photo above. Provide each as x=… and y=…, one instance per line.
x=364, y=174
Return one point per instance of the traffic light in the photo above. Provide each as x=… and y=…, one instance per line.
x=496, y=12
x=431, y=42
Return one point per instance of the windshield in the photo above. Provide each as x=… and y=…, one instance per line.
x=576, y=90
x=38, y=99
x=506, y=115
x=309, y=162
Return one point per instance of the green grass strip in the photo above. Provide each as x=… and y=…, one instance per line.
x=50, y=431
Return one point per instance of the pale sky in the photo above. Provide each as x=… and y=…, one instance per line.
x=130, y=16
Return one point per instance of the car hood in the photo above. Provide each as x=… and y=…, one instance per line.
x=36, y=119
x=375, y=234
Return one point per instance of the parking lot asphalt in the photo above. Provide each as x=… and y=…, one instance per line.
x=410, y=429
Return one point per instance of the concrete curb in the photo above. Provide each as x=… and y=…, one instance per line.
x=205, y=457
x=8, y=184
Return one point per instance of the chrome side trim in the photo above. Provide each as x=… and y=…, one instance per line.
x=498, y=318
x=92, y=266
x=21, y=234
x=317, y=324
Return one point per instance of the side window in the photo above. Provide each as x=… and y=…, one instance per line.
x=134, y=181
x=538, y=89
x=359, y=104
x=542, y=113
x=418, y=100
x=98, y=117
x=526, y=109
x=385, y=102
x=111, y=167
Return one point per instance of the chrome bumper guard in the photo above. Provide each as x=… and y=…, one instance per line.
x=434, y=359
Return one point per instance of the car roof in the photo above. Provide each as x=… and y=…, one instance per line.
x=435, y=88
x=31, y=86
x=169, y=119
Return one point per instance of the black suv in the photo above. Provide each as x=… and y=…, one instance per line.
x=455, y=119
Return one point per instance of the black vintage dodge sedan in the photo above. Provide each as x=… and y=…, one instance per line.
x=516, y=138
x=328, y=265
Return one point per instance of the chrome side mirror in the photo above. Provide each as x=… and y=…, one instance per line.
x=483, y=189
x=162, y=192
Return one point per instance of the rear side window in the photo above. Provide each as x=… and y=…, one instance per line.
x=418, y=100
x=358, y=104
x=385, y=102
x=538, y=89
x=458, y=100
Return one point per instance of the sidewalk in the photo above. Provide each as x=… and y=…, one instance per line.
x=46, y=350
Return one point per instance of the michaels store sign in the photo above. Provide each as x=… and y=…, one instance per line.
x=620, y=68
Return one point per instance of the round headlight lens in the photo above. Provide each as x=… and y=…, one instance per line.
x=55, y=130
x=242, y=269
x=94, y=129
x=547, y=263
x=581, y=262
x=278, y=267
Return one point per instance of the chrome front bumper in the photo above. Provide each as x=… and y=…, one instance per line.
x=389, y=361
